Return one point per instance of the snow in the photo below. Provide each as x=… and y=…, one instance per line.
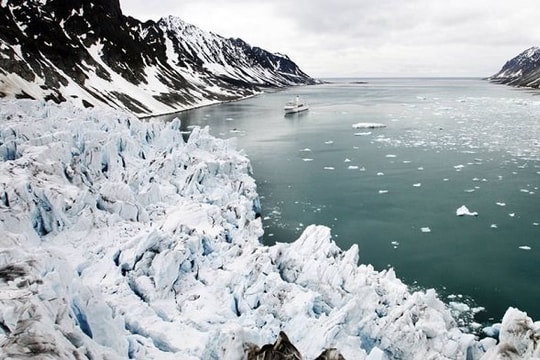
x=121, y=240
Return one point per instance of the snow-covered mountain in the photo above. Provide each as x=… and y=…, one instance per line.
x=523, y=70
x=89, y=53
x=121, y=240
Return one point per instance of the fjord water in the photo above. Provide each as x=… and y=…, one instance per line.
x=394, y=191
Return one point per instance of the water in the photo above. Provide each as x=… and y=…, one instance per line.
x=394, y=191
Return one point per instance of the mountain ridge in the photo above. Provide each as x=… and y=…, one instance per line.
x=523, y=70
x=92, y=54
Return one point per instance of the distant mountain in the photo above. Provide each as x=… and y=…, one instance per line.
x=87, y=51
x=523, y=70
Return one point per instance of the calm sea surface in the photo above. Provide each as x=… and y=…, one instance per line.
x=394, y=191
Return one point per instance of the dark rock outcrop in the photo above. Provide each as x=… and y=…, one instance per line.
x=283, y=349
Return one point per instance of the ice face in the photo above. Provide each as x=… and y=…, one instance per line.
x=122, y=240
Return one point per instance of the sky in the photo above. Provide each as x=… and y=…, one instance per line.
x=368, y=38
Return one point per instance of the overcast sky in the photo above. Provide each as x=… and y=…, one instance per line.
x=364, y=38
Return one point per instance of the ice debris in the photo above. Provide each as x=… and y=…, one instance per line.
x=367, y=125
x=463, y=210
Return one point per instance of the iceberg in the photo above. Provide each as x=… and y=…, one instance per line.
x=463, y=210
x=123, y=240
x=367, y=125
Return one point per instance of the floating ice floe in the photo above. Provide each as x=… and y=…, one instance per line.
x=525, y=247
x=417, y=184
x=352, y=167
x=425, y=229
x=367, y=125
x=329, y=142
x=501, y=203
x=383, y=191
x=307, y=159
x=347, y=160
x=463, y=210
x=306, y=150
x=329, y=168
x=366, y=133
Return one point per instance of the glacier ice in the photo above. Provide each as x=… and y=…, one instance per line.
x=122, y=240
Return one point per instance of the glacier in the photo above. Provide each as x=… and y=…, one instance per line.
x=121, y=239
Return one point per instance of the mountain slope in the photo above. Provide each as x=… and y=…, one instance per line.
x=523, y=70
x=90, y=53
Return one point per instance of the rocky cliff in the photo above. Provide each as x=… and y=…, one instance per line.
x=523, y=70
x=90, y=53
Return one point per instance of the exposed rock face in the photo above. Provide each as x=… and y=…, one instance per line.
x=283, y=349
x=90, y=53
x=523, y=70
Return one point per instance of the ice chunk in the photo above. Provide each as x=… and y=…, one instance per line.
x=525, y=247
x=515, y=337
x=463, y=210
x=492, y=331
x=367, y=125
x=425, y=229
x=377, y=354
